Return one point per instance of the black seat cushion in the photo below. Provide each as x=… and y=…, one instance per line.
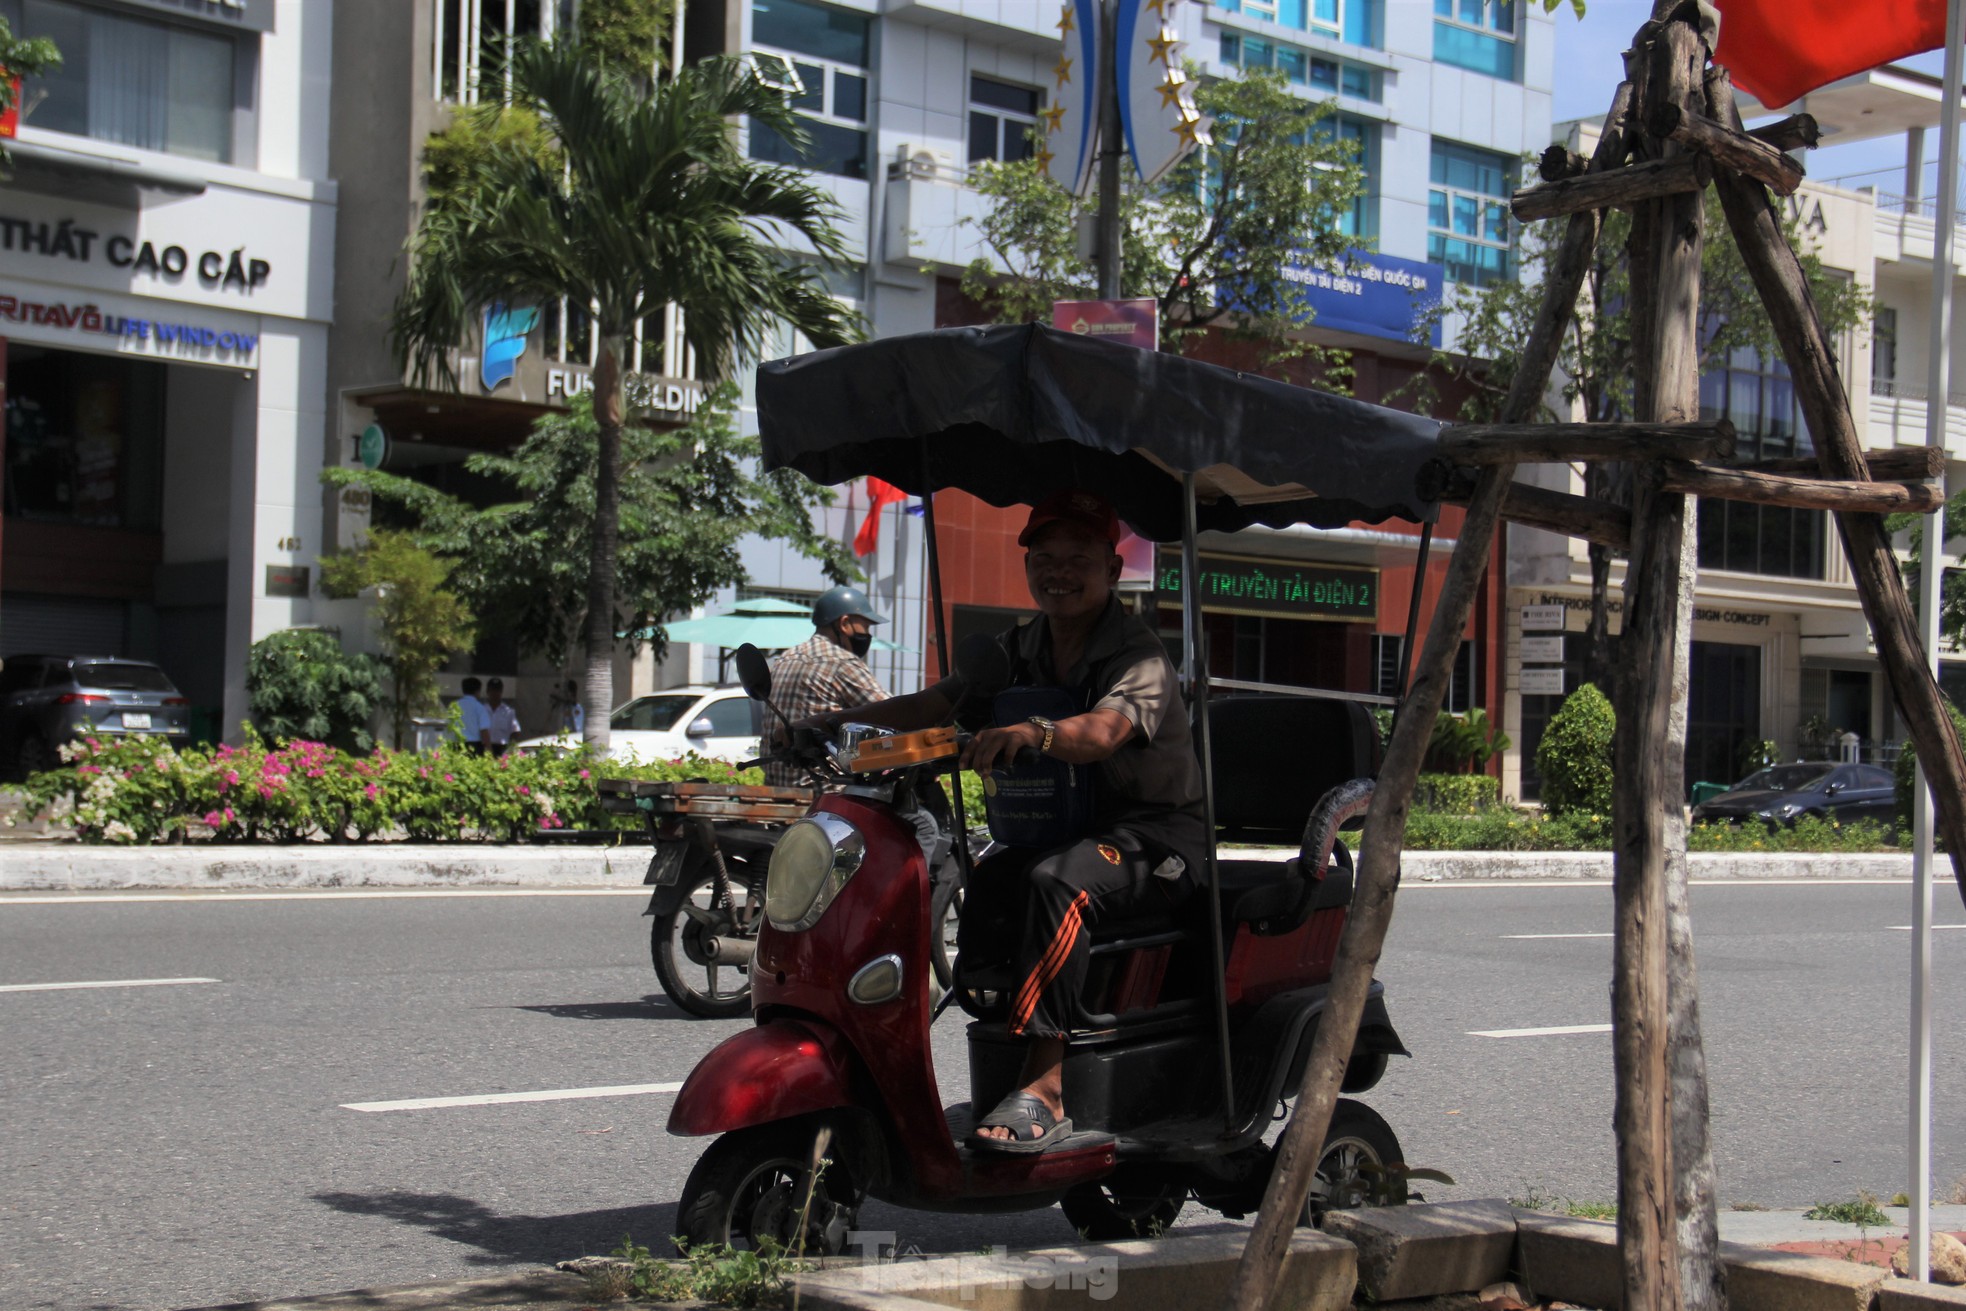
x=1275, y=756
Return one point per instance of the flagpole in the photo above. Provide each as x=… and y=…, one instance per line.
x=1930, y=582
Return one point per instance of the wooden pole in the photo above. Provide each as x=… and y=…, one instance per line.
x=1620, y=188
x=1666, y=390
x=1727, y=484
x=1301, y=1146
x=1784, y=291
x=1743, y=152
x=1560, y=443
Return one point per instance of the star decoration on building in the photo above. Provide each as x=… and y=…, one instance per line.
x=1160, y=6
x=1163, y=44
x=1066, y=23
x=1191, y=131
x=1172, y=87
x=1054, y=118
x=1044, y=158
x=1063, y=70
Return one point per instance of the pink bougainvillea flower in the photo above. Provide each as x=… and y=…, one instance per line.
x=373, y=791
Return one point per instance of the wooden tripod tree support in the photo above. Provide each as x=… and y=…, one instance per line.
x=1667, y=1234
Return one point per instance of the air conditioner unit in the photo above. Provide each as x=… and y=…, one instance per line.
x=924, y=163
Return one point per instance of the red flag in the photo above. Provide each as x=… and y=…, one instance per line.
x=1782, y=49
x=878, y=495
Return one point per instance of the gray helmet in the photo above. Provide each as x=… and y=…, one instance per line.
x=837, y=604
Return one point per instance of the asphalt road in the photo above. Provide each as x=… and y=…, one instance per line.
x=186, y=1144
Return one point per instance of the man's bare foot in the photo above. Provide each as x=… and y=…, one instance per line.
x=1044, y=1079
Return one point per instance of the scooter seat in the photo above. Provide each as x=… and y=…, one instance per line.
x=1257, y=892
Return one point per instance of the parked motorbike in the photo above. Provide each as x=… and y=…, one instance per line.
x=839, y=1068
x=712, y=845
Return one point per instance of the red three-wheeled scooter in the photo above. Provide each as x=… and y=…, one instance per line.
x=1204, y=1014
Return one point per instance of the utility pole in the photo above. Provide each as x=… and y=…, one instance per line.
x=1112, y=151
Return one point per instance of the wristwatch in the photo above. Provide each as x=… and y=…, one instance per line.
x=1044, y=747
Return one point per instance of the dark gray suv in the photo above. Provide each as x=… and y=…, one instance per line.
x=46, y=700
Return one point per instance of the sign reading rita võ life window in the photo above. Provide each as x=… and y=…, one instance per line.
x=1235, y=584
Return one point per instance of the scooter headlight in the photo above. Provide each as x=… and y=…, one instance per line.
x=810, y=864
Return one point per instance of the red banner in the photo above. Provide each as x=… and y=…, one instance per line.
x=1783, y=49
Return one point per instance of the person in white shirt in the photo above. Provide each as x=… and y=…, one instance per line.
x=473, y=718
x=502, y=722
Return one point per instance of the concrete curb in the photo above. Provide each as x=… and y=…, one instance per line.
x=67, y=866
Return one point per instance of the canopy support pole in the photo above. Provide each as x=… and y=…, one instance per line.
x=934, y=566
x=1406, y=651
x=1198, y=688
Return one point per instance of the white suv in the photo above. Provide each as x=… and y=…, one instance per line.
x=710, y=721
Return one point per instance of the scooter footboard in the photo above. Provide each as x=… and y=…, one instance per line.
x=772, y=1072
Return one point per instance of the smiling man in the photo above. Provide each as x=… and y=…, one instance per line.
x=1107, y=825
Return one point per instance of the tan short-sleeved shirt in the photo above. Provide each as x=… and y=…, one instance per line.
x=1152, y=784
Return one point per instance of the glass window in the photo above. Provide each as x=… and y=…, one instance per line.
x=828, y=49
x=651, y=714
x=1884, y=351
x=730, y=717
x=85, y=438
x=1002, y=117
x=121, y=676
x=1758, y=397
x=1299, y=66
x=155, y=86
x=471, y=38
x=1478, y=35
x=1469, y=230
x=1362, y=220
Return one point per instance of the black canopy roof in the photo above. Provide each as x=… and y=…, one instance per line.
x=1012, y=414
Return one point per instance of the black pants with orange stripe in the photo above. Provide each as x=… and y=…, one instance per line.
x=1034, y=911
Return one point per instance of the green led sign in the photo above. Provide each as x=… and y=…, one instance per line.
x=1233, y=584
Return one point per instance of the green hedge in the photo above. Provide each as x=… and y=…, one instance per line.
x=139, y=790
x=1503, y=828
x=1574, y=757
x=1456, y=794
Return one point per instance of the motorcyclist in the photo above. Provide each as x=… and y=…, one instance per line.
x=1121, y=734
x=827, y=674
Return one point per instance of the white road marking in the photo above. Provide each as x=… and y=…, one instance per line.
x=1551, y=1032
x=1416, y=885
x=1534, y=936
x=1906, y=928
x=501, y=1099
x=98, y=983
x=219, y=896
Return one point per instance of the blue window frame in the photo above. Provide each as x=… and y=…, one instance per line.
x=1468, y=225
x=1301, y=67
x=1478, y=35
x=827, y=50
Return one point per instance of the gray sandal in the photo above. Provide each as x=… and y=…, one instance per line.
x=1033, y=1127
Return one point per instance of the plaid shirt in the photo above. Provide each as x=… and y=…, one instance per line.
x=815, y=678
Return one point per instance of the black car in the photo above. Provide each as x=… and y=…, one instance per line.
x=1781, y=794
x=45, y=700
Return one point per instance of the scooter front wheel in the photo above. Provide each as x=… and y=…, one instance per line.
x=752, y=1185
x=688, y=945
x=1122, y=1206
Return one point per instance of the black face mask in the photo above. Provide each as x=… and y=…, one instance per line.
x=860, y=643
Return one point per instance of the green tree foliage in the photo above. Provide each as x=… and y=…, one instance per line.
x=688, y=498
x=1906, y=766
x=302, y=687
x=1952, y=584
x=422, y=623
x=22, y=58
x=1574, y=757
x=629, y=35
x=648, y=202
x=1214, y=242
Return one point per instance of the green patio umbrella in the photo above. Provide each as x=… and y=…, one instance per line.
x=764, y=622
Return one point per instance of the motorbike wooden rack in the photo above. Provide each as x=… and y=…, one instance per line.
x=1672, y=128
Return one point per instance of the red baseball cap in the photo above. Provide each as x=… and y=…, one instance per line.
x=1074, y=505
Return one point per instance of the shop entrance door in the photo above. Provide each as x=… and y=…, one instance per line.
x=1723, y=711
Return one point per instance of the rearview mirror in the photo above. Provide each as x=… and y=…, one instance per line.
x=980, y=659
x=754, y=672
x=699, y=727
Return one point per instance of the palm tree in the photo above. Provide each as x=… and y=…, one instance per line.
x=646, y=202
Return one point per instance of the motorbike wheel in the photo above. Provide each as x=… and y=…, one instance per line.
x=945, y=910
x=1358, y=1136
x=1123, y=1206
x=751, y=1185
x=682, y=965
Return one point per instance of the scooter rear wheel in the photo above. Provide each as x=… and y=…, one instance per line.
x=1358, y=1136
x=1123, y=1205
x=677, y=943
x=752, y=1184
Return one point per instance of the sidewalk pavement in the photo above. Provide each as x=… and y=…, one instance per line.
x=68, y=866
x=548, y=1290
